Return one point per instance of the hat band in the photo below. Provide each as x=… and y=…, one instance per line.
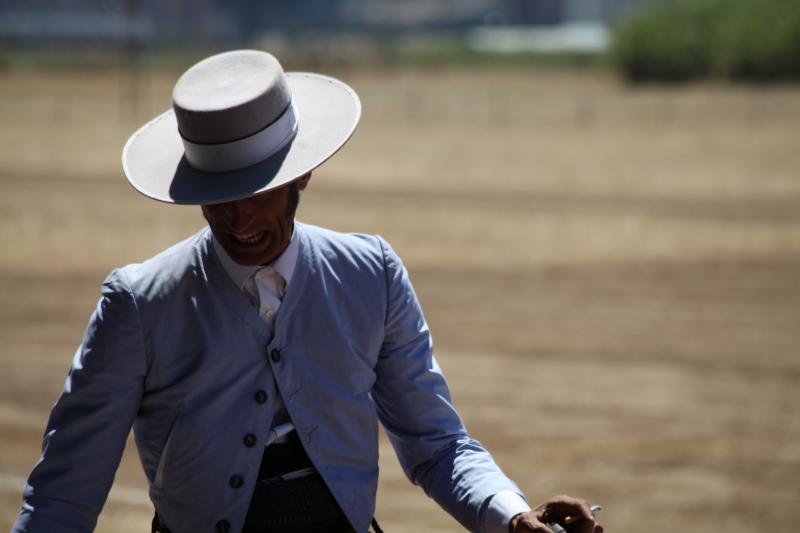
x=244, y=152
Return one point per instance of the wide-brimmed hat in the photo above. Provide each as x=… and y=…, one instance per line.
x=239, y=126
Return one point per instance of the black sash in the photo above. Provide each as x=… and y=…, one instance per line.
x=283, y=503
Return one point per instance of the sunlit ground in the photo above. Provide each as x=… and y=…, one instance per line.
x=610, y=274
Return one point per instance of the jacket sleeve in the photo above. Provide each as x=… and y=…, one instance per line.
x=414, y=405
x=90, y=422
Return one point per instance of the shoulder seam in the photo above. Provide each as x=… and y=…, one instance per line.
x=385, y=278
x=129, y=289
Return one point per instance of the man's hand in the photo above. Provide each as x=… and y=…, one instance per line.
x=556, y=510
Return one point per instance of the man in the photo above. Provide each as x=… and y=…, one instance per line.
x=254, y=359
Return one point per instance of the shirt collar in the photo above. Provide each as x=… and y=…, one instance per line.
x=284, y=264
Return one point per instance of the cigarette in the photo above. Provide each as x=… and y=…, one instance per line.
x=571, y=519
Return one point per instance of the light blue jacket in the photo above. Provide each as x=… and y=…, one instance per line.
x=176, y=350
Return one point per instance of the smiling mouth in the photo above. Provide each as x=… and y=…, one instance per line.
x=250, y=238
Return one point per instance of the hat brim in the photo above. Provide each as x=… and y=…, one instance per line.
x=154, y=163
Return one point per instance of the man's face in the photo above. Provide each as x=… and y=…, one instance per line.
x=256, y=230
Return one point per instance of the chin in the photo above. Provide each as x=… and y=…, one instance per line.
x=251, y=259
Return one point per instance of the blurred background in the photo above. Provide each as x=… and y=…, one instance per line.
x=598, y=202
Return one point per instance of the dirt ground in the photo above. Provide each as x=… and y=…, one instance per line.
x=611, y=275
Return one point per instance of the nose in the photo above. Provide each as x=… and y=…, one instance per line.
x=238, y=215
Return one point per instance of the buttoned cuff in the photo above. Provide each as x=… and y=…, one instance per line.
x=502, y=507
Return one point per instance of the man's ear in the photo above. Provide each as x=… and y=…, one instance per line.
x=302, y=181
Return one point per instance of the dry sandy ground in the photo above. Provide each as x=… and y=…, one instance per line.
x=612, y=276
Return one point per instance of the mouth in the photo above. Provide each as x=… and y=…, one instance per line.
x=249, y=238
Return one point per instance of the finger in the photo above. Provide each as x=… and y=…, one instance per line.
x=568, y=510
x=566, y=506
x=528, y=523
x=585, y=526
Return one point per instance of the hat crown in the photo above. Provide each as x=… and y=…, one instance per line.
x=230, y=96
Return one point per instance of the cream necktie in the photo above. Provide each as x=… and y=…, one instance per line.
x=270, y=286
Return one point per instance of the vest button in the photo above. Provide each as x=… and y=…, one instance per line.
x=223, y=526
x=275, y=355
x=261, y=396
x=250, y=440
x=236, y=481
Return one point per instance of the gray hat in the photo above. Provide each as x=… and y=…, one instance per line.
x=239, y=126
